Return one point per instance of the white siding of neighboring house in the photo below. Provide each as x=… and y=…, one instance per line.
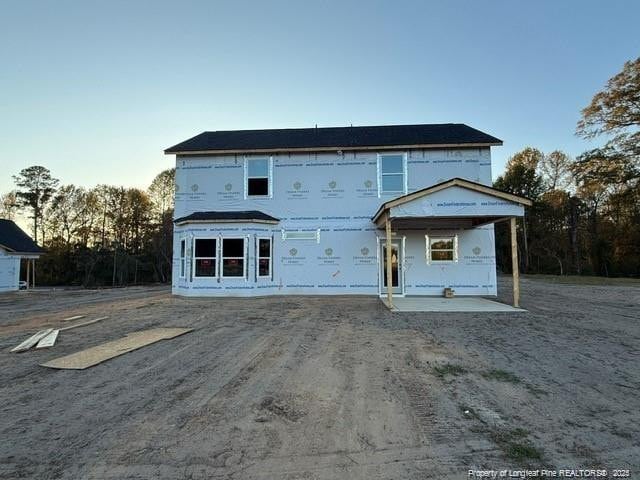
x=9, y=271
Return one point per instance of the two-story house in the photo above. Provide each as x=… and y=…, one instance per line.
x=338, y=211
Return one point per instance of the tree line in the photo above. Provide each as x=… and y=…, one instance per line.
x=585, y=218
x=106, y=235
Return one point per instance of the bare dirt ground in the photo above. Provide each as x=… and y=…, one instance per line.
x=323, y=387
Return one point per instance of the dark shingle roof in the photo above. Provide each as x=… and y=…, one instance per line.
x=335, y=137
x=244, y=215
x=15, y=240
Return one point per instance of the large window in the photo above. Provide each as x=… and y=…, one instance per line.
x=264, y=257
x=442, y=249
x=183, y=251
x=205, y=257
x=258, y=177
x=392, y=173
x=233, y=257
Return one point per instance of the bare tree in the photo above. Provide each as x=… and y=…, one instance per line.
x=9, y=205
x=555, y=169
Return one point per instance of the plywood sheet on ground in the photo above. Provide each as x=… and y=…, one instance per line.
x=48, y=340
x=83, y=324
x=32, y=340
x=98, y=354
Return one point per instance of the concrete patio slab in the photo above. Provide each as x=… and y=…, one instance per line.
x=441, y=304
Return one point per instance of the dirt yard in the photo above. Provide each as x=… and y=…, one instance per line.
x=323, y=388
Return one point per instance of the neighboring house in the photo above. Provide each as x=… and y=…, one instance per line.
x=337, y=211
x=15, y=245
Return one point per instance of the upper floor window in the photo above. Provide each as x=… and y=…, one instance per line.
x=258, y=174
x=393, y=173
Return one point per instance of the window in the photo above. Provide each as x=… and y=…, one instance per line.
x=205, y=257
x=258, y=173
x=183, y=249
x=233, y=257
x=392, y=173
x=264, y=257
x=304, y=235
x=442, y=249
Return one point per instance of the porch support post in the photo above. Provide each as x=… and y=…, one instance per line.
x=515, y=267
x=28, y=267
x=389, y=271
x=33, y=272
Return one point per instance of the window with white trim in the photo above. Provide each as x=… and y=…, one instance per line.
x=183, y=260
x=442, y=248
x=233, y=257
x=393, y=174
x=258, y=177
x=205, y=257
x=264, y=257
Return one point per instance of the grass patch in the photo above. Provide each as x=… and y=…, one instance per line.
x=449, y=369
x=537, y=391
x=585, y=280
x=501, y=376
x=515, y=445
x=522, y=451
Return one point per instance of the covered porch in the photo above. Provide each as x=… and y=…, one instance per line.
x=456, y=204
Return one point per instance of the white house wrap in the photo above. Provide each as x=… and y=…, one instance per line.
x=259, y=216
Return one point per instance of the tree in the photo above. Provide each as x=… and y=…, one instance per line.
x=521, y=178
x=69, y=214
x=35, y=188
x=161, y=192
x=138, y=210
x=616, y=111
x=9, y=205
x=607, y=166
x=555, y=169
x=529, y=158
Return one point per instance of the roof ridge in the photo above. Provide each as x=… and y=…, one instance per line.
x=287, y=129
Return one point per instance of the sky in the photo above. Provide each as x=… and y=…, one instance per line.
x=96, y=90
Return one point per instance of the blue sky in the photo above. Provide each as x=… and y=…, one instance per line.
x=96, y=90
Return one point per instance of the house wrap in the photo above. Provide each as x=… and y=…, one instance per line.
x=303, y=211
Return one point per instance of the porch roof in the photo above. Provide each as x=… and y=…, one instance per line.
x=455, y=203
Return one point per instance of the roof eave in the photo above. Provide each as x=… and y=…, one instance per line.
x=171, y=151
x=235, y=220
x=22, y=254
